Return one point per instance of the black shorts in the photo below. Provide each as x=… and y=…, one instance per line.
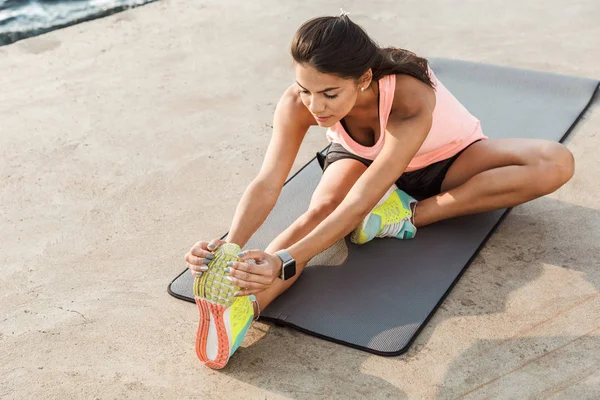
x=420, y=184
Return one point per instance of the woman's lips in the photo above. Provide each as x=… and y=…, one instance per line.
x=322, y=119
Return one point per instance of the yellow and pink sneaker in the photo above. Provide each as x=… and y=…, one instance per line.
x=224, y=318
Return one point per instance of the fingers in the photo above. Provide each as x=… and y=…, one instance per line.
x=246, y=280
x=246, y=285
x=244, y=275
x=196, y=264
x=200, y=255
x=197, y=270
x=195, y=260
x=214, y=244
x=202, y=248
x=248, y=275
x=250, y=266
x=257, y=255
x=199, y=251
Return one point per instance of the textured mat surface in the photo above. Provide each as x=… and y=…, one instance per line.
x=383, y=310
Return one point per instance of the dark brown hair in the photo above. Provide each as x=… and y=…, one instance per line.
x=338, y=46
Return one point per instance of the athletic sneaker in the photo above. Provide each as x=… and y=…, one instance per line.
x=224, y=318
x=391, y=217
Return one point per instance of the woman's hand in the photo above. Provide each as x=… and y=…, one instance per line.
x=256, y=272
x=199, y=256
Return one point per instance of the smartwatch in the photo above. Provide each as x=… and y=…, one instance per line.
x=288, y=268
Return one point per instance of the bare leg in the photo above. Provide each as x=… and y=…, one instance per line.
x=336, y=182
x=489, y=175
x=498, y=173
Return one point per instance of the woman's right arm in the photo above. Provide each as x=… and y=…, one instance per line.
x=290, y=124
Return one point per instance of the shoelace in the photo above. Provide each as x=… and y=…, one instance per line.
x=391, y=230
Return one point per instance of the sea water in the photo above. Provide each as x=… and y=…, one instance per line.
x=20, y=19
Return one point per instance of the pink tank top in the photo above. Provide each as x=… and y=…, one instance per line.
x=453, y=127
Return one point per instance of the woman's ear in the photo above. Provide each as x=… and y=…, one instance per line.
x=365, y=80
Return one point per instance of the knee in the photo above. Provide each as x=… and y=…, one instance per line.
x=556, y=166
x=321, y=208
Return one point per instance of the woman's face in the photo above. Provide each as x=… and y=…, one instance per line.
x=328, y=97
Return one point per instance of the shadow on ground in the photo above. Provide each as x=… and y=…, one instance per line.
x=535, y=235
x=542, y=367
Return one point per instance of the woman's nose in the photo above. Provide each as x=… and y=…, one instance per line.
x=316, y=106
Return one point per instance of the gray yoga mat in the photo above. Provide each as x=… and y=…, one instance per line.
x=383, y=309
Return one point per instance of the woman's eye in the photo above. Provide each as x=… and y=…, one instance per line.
x=300, y=91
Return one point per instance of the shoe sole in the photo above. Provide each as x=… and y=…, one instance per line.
x=213, y=294
x=205, y=309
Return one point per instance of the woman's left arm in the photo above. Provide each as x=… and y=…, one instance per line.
x=407, y=127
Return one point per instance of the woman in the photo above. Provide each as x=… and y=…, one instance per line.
x=404, y=154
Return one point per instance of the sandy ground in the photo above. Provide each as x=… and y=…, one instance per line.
x=124, y=140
